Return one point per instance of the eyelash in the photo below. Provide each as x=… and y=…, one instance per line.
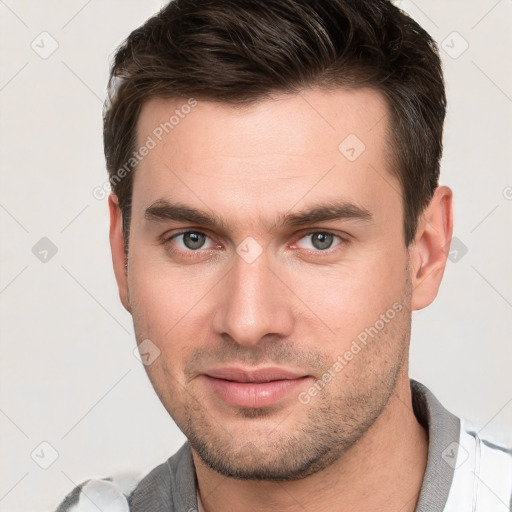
x=330, y=250
x=167, y=240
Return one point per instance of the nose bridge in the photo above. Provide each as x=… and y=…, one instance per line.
x=253, y=303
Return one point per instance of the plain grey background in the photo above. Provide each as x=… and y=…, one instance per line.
x=69, y=378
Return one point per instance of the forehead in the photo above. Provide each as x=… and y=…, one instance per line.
x=268, y=156
x=283, y=118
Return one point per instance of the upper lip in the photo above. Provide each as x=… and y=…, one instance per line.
x=254, y=375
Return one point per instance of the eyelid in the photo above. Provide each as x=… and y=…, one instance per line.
x=344, y=236
x=334, y=232
x=168, y=240
x=166, y=237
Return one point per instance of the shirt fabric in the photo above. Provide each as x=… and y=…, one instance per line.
x=463, y=473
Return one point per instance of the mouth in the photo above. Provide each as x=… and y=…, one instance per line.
x=258, y=388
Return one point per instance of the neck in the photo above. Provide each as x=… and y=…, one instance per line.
x=382, y=471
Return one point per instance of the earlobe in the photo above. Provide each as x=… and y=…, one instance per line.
x=430, y=248
x=119, y=257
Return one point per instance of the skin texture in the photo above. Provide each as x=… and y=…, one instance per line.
x=295, y=306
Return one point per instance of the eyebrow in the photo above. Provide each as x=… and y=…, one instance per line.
x=325, y=212
x=163, y=210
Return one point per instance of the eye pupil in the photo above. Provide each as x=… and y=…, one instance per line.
x=322, y=240
x=194, y=240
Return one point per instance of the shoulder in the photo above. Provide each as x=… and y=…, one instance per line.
x=482, y=473
x=169, y=486
x=465, y=470
x=109, y=494
x=492, y=469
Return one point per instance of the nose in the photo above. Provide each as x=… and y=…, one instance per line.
x=254, y=304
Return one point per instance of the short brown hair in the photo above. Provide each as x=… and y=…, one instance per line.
x=241, y=51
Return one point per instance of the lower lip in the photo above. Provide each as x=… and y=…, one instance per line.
x=250, y=394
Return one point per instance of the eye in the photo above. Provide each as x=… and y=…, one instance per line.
x=319, y=240
x=191, y=241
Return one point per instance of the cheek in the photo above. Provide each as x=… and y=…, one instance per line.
x=159, y=309
x=351, y=296
x=171, y=306
x=162, y=296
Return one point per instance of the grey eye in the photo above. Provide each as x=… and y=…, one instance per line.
x=319, y=241
x=322, y=241
x=193, y=240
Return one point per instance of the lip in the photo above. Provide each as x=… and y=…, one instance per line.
x=262, y=387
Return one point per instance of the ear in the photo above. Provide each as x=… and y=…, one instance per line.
x=429, y=251
x=119, y=257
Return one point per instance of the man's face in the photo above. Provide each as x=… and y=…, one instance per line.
x=260, y=251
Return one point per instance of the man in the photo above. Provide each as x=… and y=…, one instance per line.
x=276, y=217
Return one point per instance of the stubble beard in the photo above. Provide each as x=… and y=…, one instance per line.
x=334, y=421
